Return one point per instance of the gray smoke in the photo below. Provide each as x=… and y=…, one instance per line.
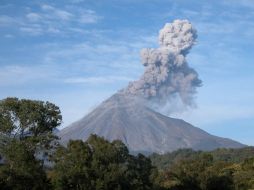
x=167, y=75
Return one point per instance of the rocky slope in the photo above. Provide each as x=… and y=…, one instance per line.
x=142, y=129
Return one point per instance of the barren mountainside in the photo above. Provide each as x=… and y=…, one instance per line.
x=142, y=129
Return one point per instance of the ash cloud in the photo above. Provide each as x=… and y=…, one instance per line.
x=167, y=75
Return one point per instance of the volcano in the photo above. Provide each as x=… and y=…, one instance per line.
x=125, y=115
x=142, y=129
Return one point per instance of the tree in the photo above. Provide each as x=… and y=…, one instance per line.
x=109, y=163
x=21, y=170
x=115, y=168
x=30, y=121
x=26, y=137
x=98, y=164
x=72, y=168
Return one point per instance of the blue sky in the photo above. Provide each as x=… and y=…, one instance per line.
x=76, y=53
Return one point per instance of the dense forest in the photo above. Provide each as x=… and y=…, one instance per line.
x=33, y=159
x=164, y=161
x=186, y=169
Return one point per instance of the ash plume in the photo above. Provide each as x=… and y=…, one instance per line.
x=167, y=75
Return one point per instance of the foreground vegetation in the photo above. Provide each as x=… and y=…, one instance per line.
x=32, y=158
x=222, y=169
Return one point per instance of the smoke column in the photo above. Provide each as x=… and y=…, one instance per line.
x=167, y=75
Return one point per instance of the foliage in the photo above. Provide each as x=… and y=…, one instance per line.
x=23, y=118
x=26, y=134
x=100, y=165
x=73, y=166
x=21, y=170
x=164, y=161
x=200, y=174
x=244, y=175
x=203, y=172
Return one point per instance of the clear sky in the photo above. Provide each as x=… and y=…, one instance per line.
x=76, y=53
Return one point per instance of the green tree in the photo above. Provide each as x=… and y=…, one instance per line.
x=109, y=163
x=21, y=170
x=72, y=169
x=20, y=118
x=115, y=168
x=100, y=165
x=26, y=138
x=29, y=121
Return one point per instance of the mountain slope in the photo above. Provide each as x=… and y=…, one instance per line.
x=142, y=129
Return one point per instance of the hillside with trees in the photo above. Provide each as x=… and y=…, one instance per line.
x=227, y=155
x=187, y=170
x=33, y=159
